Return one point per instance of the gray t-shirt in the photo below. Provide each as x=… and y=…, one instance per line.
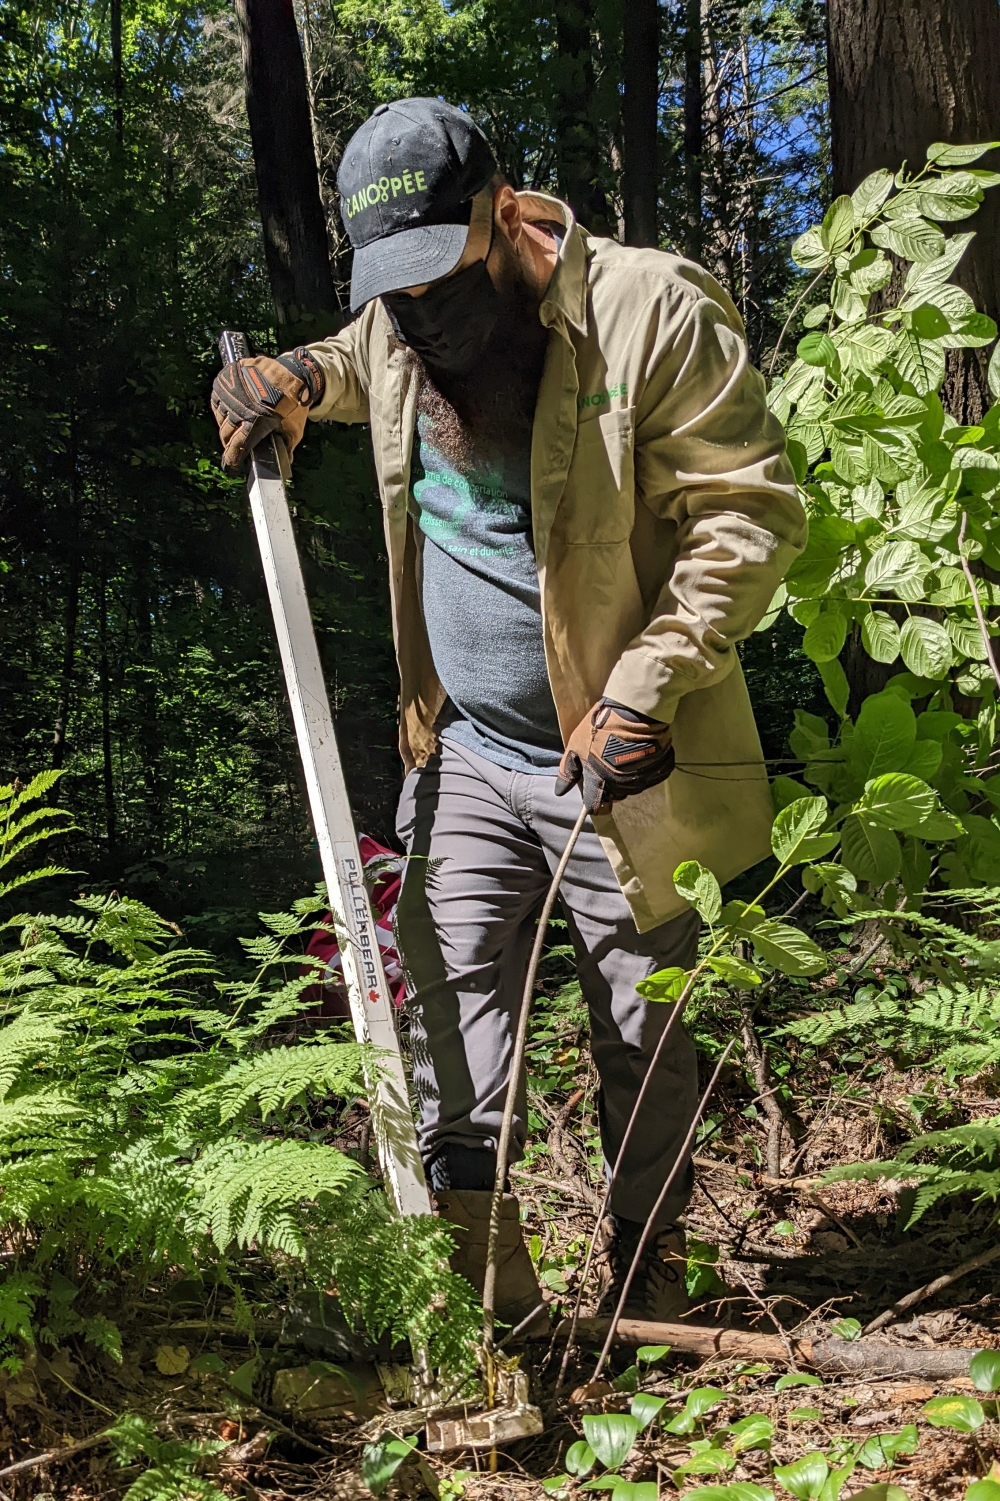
x=482, y=607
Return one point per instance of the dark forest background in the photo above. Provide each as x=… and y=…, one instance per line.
x=136, y=649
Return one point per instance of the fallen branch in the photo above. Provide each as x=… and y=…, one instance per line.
x=55, y=1456
x=834, y=1356
x=920, y=1294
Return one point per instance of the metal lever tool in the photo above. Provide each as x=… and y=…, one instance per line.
x=371, y=1003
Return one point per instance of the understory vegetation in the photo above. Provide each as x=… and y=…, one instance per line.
x=188, y=1183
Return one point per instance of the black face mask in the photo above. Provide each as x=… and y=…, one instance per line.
x=451, y=324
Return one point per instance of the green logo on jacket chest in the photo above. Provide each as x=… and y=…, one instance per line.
x=603, y=398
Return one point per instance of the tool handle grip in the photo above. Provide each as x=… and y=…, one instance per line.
x=233, y=346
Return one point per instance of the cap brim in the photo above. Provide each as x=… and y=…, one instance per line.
x=406, y=259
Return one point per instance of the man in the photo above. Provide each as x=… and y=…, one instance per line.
x=586, y=507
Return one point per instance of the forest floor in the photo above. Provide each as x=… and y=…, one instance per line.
x=786, y=1262
x=778, y=1257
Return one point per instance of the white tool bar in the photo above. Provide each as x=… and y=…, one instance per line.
x=371, y=1004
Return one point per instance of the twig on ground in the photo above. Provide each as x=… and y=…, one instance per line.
x=976, y=602
x=769, y=1312
x=56, y=1456
x=920, y=1294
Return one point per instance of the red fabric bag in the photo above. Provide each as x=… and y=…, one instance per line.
x=329, y=995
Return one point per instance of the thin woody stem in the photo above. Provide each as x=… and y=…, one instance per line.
x=654, y=1212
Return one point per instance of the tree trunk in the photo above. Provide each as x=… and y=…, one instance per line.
x=291, y=211
x=693, y=126
x=116, y=67
x=578, y=151
x=904, y=73
x=641, y=73
x=71, y=615
x=147, y=726
x=110, y=816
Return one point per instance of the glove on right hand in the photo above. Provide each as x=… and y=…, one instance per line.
x=254, y=397
x=614, y=753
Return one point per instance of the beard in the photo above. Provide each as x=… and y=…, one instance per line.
x=476, y=418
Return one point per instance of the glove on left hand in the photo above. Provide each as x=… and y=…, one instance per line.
x=615, y=752
x=254, y=397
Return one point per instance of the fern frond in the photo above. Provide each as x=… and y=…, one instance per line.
x=21, y=1040
x=241, y=1185
x=272, y=1080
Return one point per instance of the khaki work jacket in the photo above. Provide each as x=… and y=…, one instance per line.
x=664, y=516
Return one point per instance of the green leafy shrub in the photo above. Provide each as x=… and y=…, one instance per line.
x=149, y=1125
x=901, y=500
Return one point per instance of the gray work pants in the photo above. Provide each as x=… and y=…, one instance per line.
x=487, y=842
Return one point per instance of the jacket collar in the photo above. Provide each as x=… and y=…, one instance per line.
x=566, y=294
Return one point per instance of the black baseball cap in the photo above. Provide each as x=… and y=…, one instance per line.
x=406, y=186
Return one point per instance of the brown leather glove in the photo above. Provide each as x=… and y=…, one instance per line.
x=262, y=395
x=615, y=752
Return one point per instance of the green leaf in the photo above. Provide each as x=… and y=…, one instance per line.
x=735, y=971
x=884, y=736
x=557, y=1486
x=381, y=1459
x=941, y=826
x=894, y=564
x=665, y=985
x=795, y=829
x=982, y=1490
x=706, y=1462
x=645, y=1407
x=805, y=1478
x=882, y=1492
x=897, y=801
x=870, y=852
x=926, y=647
x=790, y=951
x=635, y=1490
x=796, y=1378
x=835, y=686
x=911, y=239
x=880, y=636
x=611, y=1436
x=580, y=1459
x=816, y=315
x=207, y=1365
x=740, y=1490
x=699, y=1402
x=947, y=207
x=825, y=638
x=984, y=1369
x=837, y=229
x=699, y=887
x=928, y=322
x=944, y=155
x=962, y=1414
x=846, y=1328
x=243, y=1377
x=882, y=1449
x=753, y=1432
x=809, y=251
x=818, y=348
x=870, y=194
x=650, y=1354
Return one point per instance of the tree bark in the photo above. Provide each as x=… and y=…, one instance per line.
x=578, y=138
x=291, y=211
x=904, y=73
x=641, y=74
x=110, y=817
x=71, y=615
x=694, y=127
x=116, y=68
